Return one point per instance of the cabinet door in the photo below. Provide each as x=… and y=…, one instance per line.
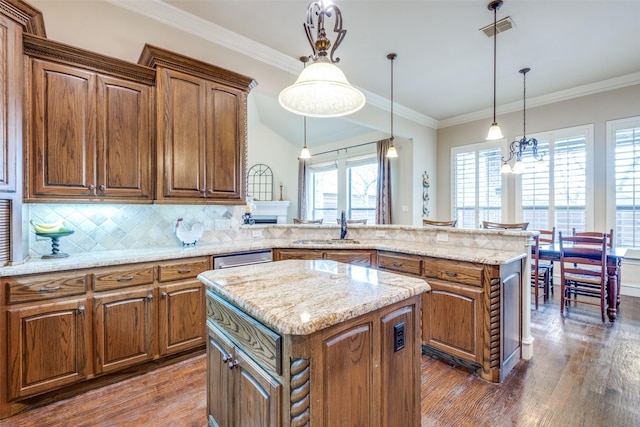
x=48, y=347
x=285, y=254
x=181, y=317
x=124, y=324
x=181, y=135
x=363, y=258
x=123, y=139
x=10, y=103
x=257, y=395
x=224, y=143
x=219, y=379
x=64, y=140
x=452, y=319
x=348, y=396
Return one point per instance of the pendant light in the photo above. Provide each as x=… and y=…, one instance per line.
x=517, y=147
x=494, y=130
x=305, y=153
x=322, y=90
x=391, y=151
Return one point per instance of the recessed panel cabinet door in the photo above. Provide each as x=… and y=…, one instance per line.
x=64, y=121
x=181, y=316
x=124, y=323
x=124, y=140
x=10, y=103
x=48, y=347
x=224, y=142
x=220, y=396
x=181, y=133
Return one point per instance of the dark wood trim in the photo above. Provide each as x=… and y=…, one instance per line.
x=26, y=15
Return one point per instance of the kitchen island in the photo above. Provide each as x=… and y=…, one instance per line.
x=313, y=342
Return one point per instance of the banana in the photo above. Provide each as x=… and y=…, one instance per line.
x=48, y=228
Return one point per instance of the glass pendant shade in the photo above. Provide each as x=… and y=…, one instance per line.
x=518, y=167
x=305, y=154
x=494, y=132
x=392, y=153
x=505, y=168
x=321, y=90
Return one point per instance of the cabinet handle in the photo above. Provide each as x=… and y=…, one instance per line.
x=125, y=278
x=203, y=191
x=91, y=187
x=397, y=264
x=163, y=295
x=54, y=289
x=225, y=359
x=185, y=271
x=149, y=297
x=101, y=187
x=231, y=364
x=451, y=273
x=210, y=191
x=81, y=309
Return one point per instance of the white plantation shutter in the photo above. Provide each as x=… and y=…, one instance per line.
x=627, y=183
x=556, y=193
x=477, y=189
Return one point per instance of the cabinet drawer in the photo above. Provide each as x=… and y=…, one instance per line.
x=251, y=336
x=39, y=288
x=453, y=271
x=182, y=270
x=401, y=263
x=123, y=277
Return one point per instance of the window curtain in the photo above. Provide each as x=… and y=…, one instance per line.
x=302, y=189
x=383, y=200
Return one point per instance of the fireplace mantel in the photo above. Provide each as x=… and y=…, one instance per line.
x=272, y=209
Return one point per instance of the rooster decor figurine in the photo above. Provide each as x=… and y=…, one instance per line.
x=189, y=236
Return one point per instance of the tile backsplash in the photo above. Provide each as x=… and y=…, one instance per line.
x=118, y=226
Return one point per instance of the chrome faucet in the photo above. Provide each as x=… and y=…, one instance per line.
x=343, y=225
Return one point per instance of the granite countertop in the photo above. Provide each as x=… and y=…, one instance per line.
x=297, y=297
x=112, y=258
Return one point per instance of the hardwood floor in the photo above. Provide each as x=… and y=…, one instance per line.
x=583, y=373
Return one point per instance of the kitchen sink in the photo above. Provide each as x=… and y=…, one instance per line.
x=325, y=241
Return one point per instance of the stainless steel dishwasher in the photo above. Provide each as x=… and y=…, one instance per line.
x=241, y=259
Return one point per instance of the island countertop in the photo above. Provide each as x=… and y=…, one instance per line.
x=298, y=297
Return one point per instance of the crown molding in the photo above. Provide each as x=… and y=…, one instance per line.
x=552, y=98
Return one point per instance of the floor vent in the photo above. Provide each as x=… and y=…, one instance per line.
x=501, y=26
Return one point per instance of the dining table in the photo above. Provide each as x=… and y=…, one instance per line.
x=551, y=252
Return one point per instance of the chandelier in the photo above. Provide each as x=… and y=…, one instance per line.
x=517, y=147
x=322, y=90
x=494, y=130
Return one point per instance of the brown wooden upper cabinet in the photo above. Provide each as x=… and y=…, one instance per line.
x=201, y=129
x=89, y=132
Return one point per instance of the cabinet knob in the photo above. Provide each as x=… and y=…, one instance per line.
x=149, y=297
x=91, y=187
x=203, y=191
x=163, y=294
x=210, y=191
x=231, y=364
x=81, y=309
x=225, y=359
x=102, y=187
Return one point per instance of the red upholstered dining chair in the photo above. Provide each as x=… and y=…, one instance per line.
x=583, y=271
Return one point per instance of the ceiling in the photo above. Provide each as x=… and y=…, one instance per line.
x=444, y=71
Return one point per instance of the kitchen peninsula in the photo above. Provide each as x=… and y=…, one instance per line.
x=319, y=342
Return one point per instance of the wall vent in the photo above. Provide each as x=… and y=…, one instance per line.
x=501, y=26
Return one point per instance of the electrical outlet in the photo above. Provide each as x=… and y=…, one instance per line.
x=442, y=237
x=398, y=337
x=380, y=233
x=256, y=233
x=405, y=208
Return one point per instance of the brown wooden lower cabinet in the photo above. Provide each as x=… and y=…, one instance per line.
x=349, y=374
x=64, y=328
x=362, y=257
